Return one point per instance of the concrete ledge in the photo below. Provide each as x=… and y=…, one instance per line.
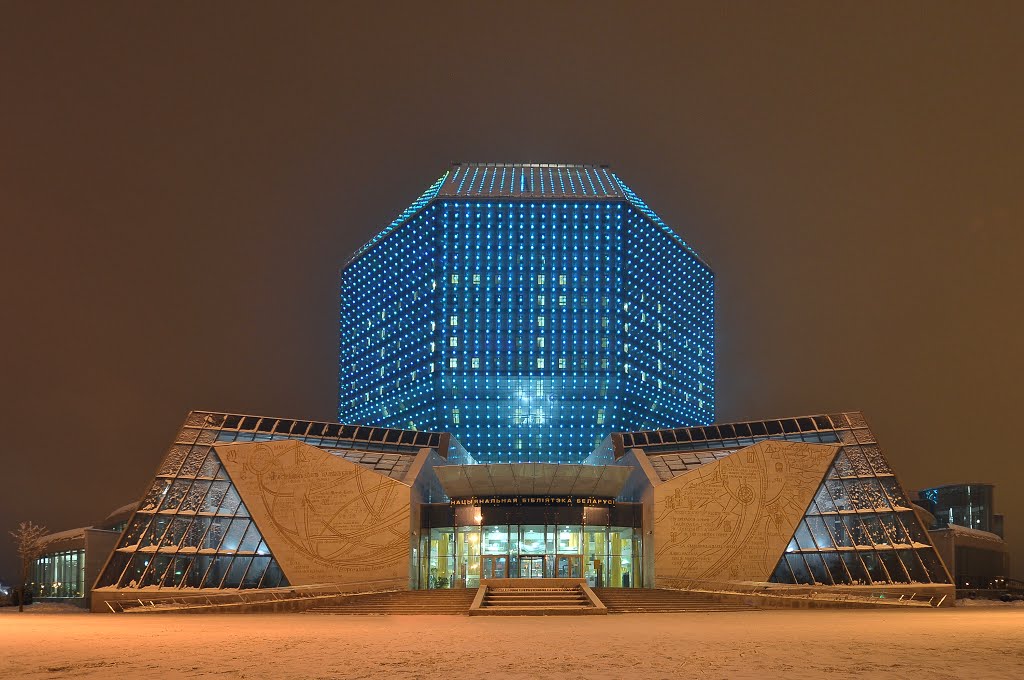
x=219, y=600
x=933, y=594
x=808, y=601
x=595, y=601
x=478, y=601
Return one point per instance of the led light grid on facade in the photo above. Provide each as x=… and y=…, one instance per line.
x=528, y=309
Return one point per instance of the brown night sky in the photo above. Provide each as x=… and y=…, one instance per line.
x=180, y=184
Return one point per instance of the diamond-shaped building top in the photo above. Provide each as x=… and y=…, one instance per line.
x=530, y=309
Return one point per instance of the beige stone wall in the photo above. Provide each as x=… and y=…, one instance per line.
x=730, y=520
x=325, y=519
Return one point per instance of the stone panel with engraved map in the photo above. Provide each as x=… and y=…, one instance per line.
x=730, y=519
x=325, y=519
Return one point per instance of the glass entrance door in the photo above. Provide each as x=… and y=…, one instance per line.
x=531, y=566
x=494, y=566
x=569, y=566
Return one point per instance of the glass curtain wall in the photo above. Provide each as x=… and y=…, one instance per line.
x=860, y=529
x=459, y=557
x=60, y=574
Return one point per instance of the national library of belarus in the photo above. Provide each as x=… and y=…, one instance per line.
x=526, y=391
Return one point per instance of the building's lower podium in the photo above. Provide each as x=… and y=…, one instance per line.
x=245, y=502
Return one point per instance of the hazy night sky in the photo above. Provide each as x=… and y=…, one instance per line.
x=180, y=185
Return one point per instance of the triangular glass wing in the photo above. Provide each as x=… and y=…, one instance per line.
x=191, y=530
x=860, y=529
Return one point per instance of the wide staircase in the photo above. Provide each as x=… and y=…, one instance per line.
x=455, y=601
x=654, y=600
x=528, y=601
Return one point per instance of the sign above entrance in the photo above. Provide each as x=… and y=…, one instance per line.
x=533, y=500
x=572, y=480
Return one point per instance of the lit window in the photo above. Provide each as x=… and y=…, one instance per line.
x=453, y=363
x=455, y=416
x=540, y=321
x=541, y=300
x=476, y=279
x=562, y=279
x=561, y=362
x=453, y=320
x=540, y=341
x=455, y=278
x=562, y=300
x=604, y=322
x=540, y=279
x=475, y=362
x=540, y=362
x=452, y=341
x=604, y=342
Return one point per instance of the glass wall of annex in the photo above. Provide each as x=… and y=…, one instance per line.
x=60, y=574
x=600, y=544
x=966, y=505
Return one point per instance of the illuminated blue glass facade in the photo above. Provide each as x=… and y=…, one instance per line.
x=529, y=310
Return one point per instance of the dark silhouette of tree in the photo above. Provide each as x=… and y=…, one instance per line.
x=29, y=541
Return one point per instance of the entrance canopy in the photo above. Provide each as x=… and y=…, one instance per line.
x=532, y=479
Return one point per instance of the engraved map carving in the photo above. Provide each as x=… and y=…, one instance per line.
x=325, y=519
x=730, y=520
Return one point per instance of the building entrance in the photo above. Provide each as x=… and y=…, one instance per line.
x=569, y=566
x=494, y=566
x=481, y=546
x=531, y=566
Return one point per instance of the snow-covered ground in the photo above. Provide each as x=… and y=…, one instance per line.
x=979, y=642
x=46, y=608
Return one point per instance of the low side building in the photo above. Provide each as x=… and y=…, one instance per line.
x=72, y=559
x=978, y=560
x=968, y=534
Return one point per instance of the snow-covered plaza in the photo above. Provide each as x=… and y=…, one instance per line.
x=961, y=642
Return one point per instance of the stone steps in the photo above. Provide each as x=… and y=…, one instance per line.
x=642, y=600
x=407, y=602
x=527, y=601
